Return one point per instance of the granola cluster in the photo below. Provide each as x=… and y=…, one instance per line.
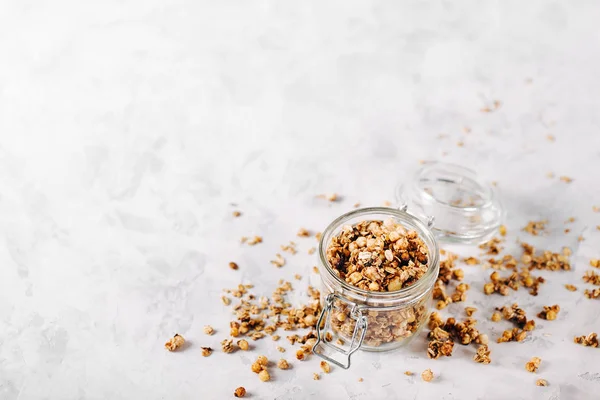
x=378, y=256
x=514, y=281
x=533, y=364
x=448, y=273
x=546, y=260
x=442, y=335
x=518, y=317
x=549, y=312
x=590, y=340
x=592, y=277
x=175, y=342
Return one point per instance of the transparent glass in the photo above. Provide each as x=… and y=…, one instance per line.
x=466, y=210
x=388, y=320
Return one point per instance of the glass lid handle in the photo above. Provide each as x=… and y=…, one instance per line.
x=322, y=344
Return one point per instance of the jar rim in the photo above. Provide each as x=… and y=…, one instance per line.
x=404, y=217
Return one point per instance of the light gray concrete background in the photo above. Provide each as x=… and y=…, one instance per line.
x=128, y=127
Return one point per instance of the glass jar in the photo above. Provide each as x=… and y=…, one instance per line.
x=372, y=321
x=466, y=211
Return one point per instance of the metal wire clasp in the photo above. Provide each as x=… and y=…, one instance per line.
x=360, y=329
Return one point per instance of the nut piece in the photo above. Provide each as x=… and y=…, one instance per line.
x=571, y=288
x=303, y=233
x=427, y=375
x=243, y=344
x=502, y=230
x=283, y=364
x=208, y=330
x=325, y=367
x=264, y=375
x=541, y=382
x=279, y=261
x=206, y=351
x=175, y=342
x=533, y=364
x=236, y=213
x=483, y=355
x=240, y=392
x=233, y=265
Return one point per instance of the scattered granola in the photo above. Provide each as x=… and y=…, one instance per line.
x=264, y=375
x=303, y=233
x=502, y=230
x=549, y=312
x=566, y=179
x=483, y=355
x=236, y=213
x=408, y=373
x=280, y=349
x=233, y=265
x=316, y=376
x=290, y=248
x=283, y=364
x=550, y=138
x=541, y=382
x=592, y=294
x=427, y=375
x=325, y=366
x=227, y=346
x=312, y=250
x=590, y=340
x=570, y=287
x=279, y=261
x=595, y=263
x=360, y=379
x=547, y=260
x=533, y=364
x=208, y=330
x=240, y=392
x=470, y=311
x=206, y=351
x=496, y=316
x=536, y=227
x=226, y=300
x=592, y=277
x=300, y=355
x=275, y=337
x=243, y=345
x=356, y=205
x=175, y=342
x=255, y=240
x=471, y=261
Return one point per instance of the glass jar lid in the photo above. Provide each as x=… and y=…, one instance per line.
x=463, y=209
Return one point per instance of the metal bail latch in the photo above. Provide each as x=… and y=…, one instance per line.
x=360, y=329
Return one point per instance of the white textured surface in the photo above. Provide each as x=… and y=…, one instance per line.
x=127, y=128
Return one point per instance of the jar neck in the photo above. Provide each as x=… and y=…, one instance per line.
x=335, y=283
